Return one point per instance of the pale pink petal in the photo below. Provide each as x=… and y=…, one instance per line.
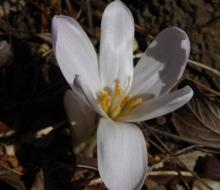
x=83, y=91
x=163, y=63
x=159, y=106
x=74, y=52
x=81, y=117
x=117, y=35
x=122, y=155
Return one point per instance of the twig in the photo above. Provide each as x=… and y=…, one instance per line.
x=170, y=153
x=189, y=148
x=48, y=129
x=86, y=162
x=170, y=157
x=210, y=22
x=48, y=52
x=69, y=8
x=95, y=182
x=89, y=14
x=203, y=86
x=156, y=145
x=203, y=66
x=170, y=173
x=87, y=167
x=98, y=180
x=192, y=141
x=83, y=6
x=142, y=30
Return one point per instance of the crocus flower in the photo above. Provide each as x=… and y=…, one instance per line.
x=121, y=94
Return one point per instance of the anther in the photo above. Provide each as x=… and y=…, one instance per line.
x=105, y=101
x=115, y=105
x=116, y=112
x=133, y=104
x=115, y=98
x=118, y=90
x=125, y=100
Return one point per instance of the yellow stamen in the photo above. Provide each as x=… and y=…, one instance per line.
x=118, y=90
x=125, y=100
x=105, y=100
x=115, y=98
x=104, y=93
x=115, y=105
x=107, y=104
x=133, y=104
x=115, y=112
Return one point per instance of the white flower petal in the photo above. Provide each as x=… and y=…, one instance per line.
x=85, y=94
x=81, y=117
x=117, y=35
x=159, y=106
x=162, y=64
x=122, y=155
x=74, y=52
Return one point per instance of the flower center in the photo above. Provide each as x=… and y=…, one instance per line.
x=116, y=105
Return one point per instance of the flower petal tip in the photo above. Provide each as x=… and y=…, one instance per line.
x=122, y=155
x=179, y=34
x=189, y=91
x=117, y=4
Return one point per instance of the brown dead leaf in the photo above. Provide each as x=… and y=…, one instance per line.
x=187, y=125
x=213, y=107
x=200, y=107
x=11, y=178
x=197, y=185
x=208, y=167
x=5, y=131
x=13, y=161
x=3, y=127
x=179, y=187
x=39, y=181
x=189, y=159
x=53, y=3
x=5, y=53
x=152, y=185
x=199, y=119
